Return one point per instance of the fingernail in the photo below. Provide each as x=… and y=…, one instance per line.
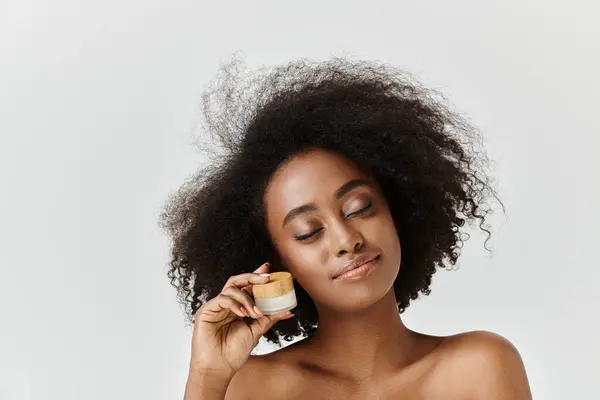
x=256, y=310
x=265, y=275
x=265, y=264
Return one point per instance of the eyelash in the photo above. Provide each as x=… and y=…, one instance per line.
x=305, y=237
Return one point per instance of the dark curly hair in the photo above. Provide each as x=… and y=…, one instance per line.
x=428, y=160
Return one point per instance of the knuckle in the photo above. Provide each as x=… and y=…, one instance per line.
x=222, y=299
x=228, y=290
x=229, y=281
x=231, y=293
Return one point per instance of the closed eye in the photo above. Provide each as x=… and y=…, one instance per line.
x=362, y=210
x=308, y=236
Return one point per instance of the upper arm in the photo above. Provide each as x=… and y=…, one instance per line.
x=497, y=367
x=240, y=386
x=254, y=381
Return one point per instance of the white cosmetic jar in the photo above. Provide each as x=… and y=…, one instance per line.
x=277, y=295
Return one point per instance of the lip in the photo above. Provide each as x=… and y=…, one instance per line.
x=358, y=273
x=355, y=264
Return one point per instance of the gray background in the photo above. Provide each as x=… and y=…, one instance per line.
x=98, y=106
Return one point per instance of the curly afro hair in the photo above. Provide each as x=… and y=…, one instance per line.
x=428, y=160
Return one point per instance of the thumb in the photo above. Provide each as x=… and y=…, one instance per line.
x=263, y=269
x=261, y=325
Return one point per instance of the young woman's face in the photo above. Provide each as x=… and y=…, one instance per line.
x=343, y=214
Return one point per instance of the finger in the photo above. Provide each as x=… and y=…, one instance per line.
x=219, y=303
x=243, y=280
x=263, y=270
x=261, y=325
x=242, y=298
x=281, y=316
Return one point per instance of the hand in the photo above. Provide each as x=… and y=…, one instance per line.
x=222, y=341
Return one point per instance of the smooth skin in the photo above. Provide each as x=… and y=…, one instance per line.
x=361, y=348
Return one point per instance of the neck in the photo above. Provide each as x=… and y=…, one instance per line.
x=372, y=342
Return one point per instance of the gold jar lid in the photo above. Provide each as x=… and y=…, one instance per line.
x=279, y=284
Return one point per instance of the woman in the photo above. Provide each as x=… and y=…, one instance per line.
x=327, y=164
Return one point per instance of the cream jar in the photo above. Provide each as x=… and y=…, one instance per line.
x=277, y=295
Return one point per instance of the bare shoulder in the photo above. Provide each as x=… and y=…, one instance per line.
x=486, y=365
x=260, y=377
x=488, y=345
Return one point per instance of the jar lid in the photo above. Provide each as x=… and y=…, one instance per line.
x=279, y=284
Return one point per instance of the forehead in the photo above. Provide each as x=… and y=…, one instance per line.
x=307, y=178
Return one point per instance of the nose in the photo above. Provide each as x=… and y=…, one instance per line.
x=348, y=240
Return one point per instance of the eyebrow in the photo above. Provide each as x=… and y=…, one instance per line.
x=345, y=188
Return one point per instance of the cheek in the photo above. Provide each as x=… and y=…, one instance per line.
x=302, y=261
x=308, y=262
x=308, y=266
x=394, y=248
x=390, y=234
x=386, y=237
